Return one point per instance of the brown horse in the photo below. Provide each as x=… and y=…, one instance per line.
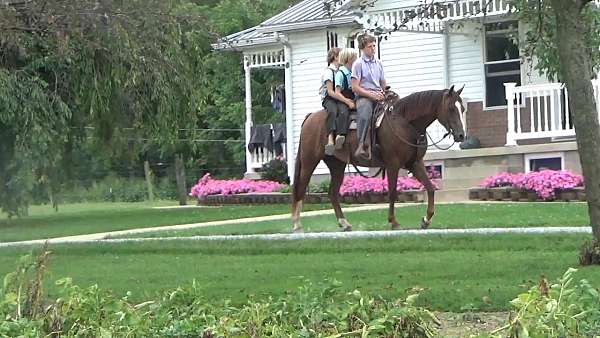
x=402, y=145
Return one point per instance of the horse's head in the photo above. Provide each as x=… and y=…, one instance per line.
x=452, y=112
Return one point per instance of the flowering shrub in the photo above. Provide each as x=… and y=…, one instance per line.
x=209, y=186
x=356, y=185
x=545, y=183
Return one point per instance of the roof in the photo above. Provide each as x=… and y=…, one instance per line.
x=245, y=38
x=308, y=11
x=307, y=14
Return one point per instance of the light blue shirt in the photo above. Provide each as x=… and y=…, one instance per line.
x=343, y=71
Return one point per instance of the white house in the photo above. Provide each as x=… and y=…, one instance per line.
x=520, y=118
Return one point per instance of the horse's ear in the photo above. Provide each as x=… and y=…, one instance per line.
x=460, y=90
x=451, y=91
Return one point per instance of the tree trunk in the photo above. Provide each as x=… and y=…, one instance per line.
x=180, y=176
x=148, y=175
x=576, y=72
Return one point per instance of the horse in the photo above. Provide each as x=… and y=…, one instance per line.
x=401, y=140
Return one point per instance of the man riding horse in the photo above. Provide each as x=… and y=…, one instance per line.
x=400, y=137
x=368, y=83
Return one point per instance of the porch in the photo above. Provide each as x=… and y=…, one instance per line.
x=540, y=111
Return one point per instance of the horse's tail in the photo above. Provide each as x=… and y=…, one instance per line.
x=298, y=165
x=297, y=168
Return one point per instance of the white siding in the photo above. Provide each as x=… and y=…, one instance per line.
x=414, y=62
x=465, y=61
x=309, y=55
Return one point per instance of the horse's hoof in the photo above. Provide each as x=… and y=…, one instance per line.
x=347, y=228
x=343, y=223
x=396, y=226
x=425, y=223
x=298, y=230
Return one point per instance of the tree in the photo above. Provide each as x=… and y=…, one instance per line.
x=564, y=37
x=106, y=70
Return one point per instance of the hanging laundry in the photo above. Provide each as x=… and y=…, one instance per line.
x=278, y=98
x=261, y=137
x=279, y=137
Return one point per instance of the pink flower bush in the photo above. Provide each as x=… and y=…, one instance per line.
x=545, y=183
x=356, y=185
x=500, y=180
x=209, y=186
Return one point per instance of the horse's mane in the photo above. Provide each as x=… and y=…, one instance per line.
x=415, y=105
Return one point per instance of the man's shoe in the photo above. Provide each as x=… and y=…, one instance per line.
x=339, y=142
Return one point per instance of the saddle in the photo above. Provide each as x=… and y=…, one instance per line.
x=371, y=142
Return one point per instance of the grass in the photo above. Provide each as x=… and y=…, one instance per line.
x=86, y=218
x=451, y=216
x=455, y=272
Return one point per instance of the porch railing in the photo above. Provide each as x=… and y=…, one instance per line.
x=540, y=111
x=433, y=19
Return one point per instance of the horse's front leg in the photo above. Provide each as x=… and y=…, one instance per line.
x=420, y=173
x=392, y=195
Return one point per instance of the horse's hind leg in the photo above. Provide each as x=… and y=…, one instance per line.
x=336, y=168
x=420, y=173
x=304, y=169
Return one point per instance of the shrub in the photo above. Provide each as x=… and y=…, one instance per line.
x=545, y=183
x=275, y=170
x=563, y=309
x=209, y=186
x=310, y=311
x=356, y=185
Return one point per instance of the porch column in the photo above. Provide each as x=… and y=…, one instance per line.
x=248, y=124
x=289, y=112
x=510, y=111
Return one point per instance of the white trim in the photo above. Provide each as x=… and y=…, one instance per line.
x=289, y=111
x=248, y=123
x=539, y=156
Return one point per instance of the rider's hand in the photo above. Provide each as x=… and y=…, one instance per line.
x=377, y=96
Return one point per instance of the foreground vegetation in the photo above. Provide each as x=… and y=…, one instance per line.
x=86, y=218
x=568, y=308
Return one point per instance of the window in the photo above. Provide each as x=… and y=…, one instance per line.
x=538, y=162
x=502, y=63
x=332, y=40
x=435, y=169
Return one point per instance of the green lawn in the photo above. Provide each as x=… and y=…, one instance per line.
x=86, y=218
x=454, y=271
x=453, y=216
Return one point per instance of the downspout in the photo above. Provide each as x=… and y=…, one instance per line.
x=289, y=119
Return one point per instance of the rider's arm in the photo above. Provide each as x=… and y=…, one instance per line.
x=347, y=101
x=334, y=93
x=360, y=91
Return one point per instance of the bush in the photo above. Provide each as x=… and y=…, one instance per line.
x=310, y=311
x=356, y=185
x=563, y=309
x=110, y=189
x=275, y=170
x=209, y=186
x=545, y=183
